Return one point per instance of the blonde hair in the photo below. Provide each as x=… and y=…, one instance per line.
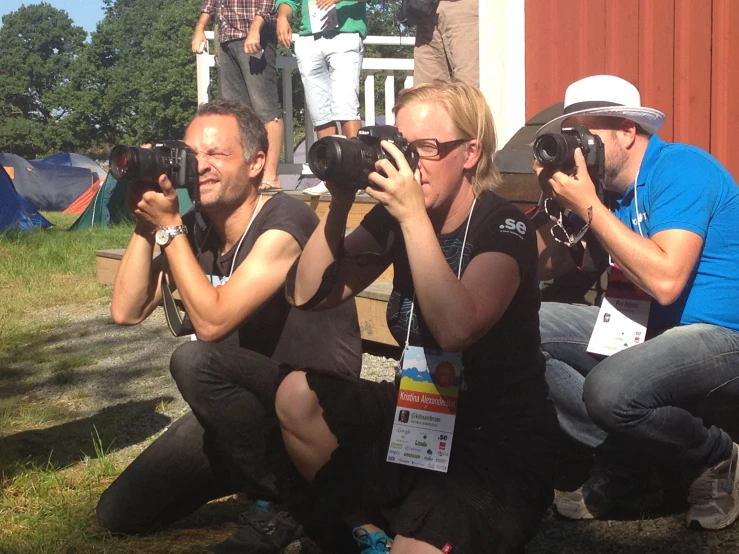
x=471, y=116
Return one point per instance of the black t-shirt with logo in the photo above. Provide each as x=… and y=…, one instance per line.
x=328, y=339
x=504, y=370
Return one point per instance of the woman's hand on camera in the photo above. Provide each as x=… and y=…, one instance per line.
x=399, y=190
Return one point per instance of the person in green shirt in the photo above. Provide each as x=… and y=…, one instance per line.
x=329, y=51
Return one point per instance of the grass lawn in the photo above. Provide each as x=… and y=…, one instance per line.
x=45, y=507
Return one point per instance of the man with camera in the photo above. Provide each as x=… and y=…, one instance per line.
x=228, y=261
x=653, y=382
x=247, y=68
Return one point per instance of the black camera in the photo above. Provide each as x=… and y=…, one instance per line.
x=558, y=150
x=172, y=158
x=348, y=161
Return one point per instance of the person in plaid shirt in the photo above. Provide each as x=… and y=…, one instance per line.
x=247, y=71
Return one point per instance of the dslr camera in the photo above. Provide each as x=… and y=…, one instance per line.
x=348, y=161
x=558, y=150
x=172, y=158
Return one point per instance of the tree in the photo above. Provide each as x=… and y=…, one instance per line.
x=38, y=45
x=136, y=80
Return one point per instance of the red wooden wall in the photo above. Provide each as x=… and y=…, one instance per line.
x=677, y=52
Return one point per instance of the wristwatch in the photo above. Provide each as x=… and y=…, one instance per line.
x=164, y=235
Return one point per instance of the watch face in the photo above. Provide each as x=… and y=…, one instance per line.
x=162, y=237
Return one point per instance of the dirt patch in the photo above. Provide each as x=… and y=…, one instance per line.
x=116, y=383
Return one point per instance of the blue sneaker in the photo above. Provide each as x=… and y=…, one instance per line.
x=375, y=542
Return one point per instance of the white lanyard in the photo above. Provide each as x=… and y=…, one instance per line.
x=238, y=247
x=459, y=276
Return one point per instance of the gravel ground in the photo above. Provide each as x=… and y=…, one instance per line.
x=121, y=386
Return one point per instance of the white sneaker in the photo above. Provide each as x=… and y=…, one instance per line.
x=317, y=190
x=714, y=495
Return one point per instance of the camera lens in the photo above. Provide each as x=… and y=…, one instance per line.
x=555, y=149
x=120, y=159
x=323, y=156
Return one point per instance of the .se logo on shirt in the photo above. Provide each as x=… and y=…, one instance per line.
x=513, y=227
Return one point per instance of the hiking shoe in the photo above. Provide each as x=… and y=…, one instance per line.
x=375, y=542
x=713, y=496
x=263, y=530
x=606, y=488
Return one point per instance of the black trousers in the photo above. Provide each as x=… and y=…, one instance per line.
x=230, y=442
x=217, y=449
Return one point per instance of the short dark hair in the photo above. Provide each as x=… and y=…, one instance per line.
x=252, y=135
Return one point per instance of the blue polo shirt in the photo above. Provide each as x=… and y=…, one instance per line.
x=683, y=187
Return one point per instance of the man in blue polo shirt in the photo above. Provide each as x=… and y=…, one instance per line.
x=670, y=226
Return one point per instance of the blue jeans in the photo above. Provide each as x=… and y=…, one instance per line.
x=673, y=397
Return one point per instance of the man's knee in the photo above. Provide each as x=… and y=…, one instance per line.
x=608, y=397
x=186, y=364
x=113, y=516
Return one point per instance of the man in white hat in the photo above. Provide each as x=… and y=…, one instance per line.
x=670, y=225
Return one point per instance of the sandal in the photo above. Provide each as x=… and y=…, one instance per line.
x=267, y=187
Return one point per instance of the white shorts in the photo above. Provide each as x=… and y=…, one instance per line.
x=330, y=68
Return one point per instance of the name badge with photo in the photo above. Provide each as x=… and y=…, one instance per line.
x=623, y=316
x=427, y=408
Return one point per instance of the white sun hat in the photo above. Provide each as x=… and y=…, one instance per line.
x=606, y=95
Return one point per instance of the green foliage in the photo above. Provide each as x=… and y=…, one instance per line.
x=133, y=82
x=38, y=45
x=136, y=80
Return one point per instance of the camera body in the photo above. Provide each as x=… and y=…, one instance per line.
x=172, y=158
x=558, y=150
x=348, y=161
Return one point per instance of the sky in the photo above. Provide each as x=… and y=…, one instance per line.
x=85, y=13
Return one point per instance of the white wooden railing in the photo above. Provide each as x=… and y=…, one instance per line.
x=288, y=64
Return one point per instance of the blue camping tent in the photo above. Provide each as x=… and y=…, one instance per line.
x=16, y=214
x=47, y=186
x=71, y=159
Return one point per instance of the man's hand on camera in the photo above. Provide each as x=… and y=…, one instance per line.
x=399, y=190
x=576, y=193
x=157, y=208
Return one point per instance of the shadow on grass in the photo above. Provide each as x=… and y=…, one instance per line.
x=60, y=445
x=34, y=358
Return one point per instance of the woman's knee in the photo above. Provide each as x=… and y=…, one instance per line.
x=295, y=403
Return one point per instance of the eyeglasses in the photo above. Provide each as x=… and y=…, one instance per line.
x=431, y=147
x=562, y=229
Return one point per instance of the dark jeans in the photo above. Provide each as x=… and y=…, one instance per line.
x=250, y=79
x=673, y=397
x=217, y=449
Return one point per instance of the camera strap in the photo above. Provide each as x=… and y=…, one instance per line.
x=178, y=322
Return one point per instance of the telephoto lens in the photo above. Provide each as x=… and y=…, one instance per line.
x=343, y=161
x=138, y=164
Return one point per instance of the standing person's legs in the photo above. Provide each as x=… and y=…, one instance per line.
x=231, y=84
x=429, y=57
x=314, y=74
x=459, y=27
x=172, y=478
x=253, y=80
x=565, y=332
x=344, y=54
x=231, y=391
